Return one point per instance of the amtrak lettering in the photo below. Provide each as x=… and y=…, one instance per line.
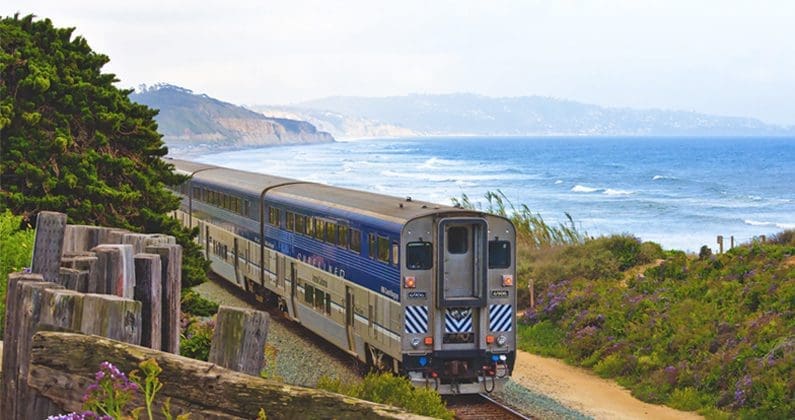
x=390, y=293
x=319, y=262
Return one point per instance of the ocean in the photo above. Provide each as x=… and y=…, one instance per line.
x=679, y=192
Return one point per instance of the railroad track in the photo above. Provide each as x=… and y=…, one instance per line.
x=481, y=406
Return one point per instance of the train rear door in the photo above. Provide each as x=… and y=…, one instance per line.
x=461, y=288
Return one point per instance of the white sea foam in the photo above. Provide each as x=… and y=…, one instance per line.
x=558, y=182
x=611, y=191
x=662, y=177
x=758, y=223
x=583, y=189
x=436, y=162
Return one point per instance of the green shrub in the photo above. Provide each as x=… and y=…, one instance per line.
x=544, y=338
x=196, y=339
x=385, y=388
x=196, y=304
x=16, y=251
x=688, y=399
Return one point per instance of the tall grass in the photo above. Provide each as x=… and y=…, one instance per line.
x=532, y=231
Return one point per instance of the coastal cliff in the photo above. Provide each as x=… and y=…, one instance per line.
x=191, y=120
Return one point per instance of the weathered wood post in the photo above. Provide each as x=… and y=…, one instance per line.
x=171, y=282
x=731, y=242
x=48, y=245
x=116, y=267
x=69, y=278
x=87, y=264
x=25, y=298
x=720, y=244
x=113, y=317
x=148, y=289
x=81, y=238
x=239, y=339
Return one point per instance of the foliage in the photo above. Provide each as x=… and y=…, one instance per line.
x=385, y=388
x=74, y=143
x=16, y=251
x=197, y=335
x=531, y=229
x=196, y=304
x=112, y=391
x=712, y=333
x=270, y=370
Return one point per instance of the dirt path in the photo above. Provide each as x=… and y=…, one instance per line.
x=585, y=392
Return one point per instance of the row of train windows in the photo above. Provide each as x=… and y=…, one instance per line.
x=336, y=234
x=223, y=200
x=319, y=299
x=419, y=255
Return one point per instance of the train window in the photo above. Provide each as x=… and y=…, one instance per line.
x=395, y=253
x=457, y=240
x=300, y=223
x=273, y=216
x=356, y=240
x=290, y=221
x=419, y=255
x=320, y=228
x=343, y=236
x=331, y=232
x=309, y=294
x=320, y=299
x=383, y=249
x=371, y=245
x=310, y=226
x=224, y=201
x=246, y=208
x=197, y=193
x=499, y=254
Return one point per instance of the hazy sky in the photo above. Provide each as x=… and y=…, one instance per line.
x=725, y=57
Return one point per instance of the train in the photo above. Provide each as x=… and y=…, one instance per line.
x=423, y=290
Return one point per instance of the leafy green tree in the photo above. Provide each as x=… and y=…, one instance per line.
x=73, y=142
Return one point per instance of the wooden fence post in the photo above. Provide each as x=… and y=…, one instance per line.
x=27, y=298
x=147, y=290
x=48, y=244
x=113, y=317
x=171, y=282
x=239, y=339
x=11, y=338
x=116, y=270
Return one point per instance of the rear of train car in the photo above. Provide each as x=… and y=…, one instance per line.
x=423, y=290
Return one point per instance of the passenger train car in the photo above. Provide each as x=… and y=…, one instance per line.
x=421, y=289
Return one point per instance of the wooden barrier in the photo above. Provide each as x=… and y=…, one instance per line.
x=171, y=281
x=239, y=339
x=63, y=364
x=148, y=291
x=48, y=245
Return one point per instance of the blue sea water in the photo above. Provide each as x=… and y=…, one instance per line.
x=679, y=192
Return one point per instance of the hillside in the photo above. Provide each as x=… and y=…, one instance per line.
x=469, y=114
x=188, y=119
x=338, y=125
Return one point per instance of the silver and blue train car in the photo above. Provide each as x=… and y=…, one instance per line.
x=417, y=288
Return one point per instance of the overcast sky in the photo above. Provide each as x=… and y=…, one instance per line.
x=725, y=57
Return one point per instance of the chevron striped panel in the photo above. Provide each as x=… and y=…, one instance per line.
x=416, y=319
x=500, y=318
x=452, y=325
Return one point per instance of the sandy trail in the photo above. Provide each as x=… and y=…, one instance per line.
x=585, y=392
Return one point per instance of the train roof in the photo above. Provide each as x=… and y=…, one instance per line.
x=318, y=195
x=187, y=167
x=249, y=182
x=398, y=209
